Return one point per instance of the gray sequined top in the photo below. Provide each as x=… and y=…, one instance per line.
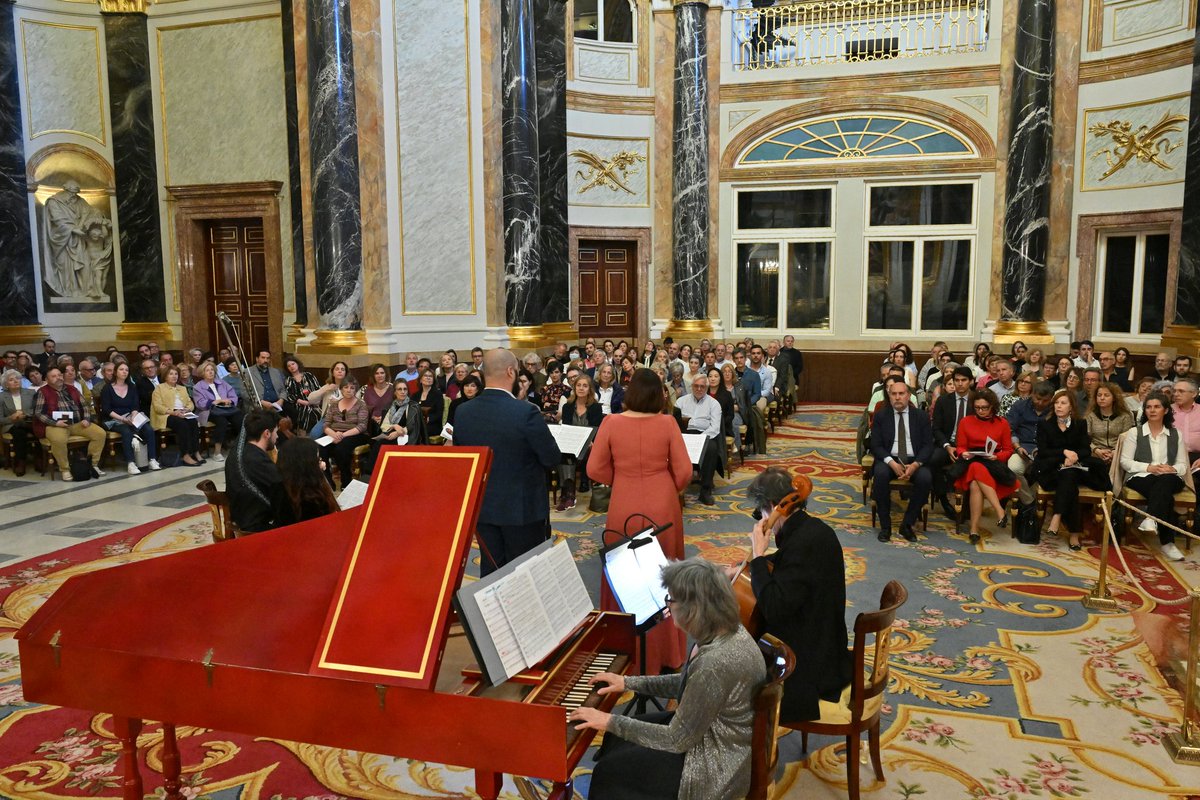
x=714, y=721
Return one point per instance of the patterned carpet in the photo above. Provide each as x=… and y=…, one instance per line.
x=1004, y=686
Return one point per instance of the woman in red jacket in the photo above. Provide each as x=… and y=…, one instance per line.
x=985, y=476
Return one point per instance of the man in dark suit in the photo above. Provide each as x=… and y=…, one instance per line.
x=146, y=383
x=515, y=516
x=947, y=411
x=902, y=444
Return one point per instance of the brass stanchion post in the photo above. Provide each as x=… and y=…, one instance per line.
x=1183, y=746
x=1100, y=599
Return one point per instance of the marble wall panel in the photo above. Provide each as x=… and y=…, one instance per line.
x=18, y=282
x=549, y=44
x=67, y=94
x=372, y=172
x=608, y=171
x=1131, y=21
x=606, y=66
x=224, y=114
x=1155, y=155
x=433, y=113
x=291, y=106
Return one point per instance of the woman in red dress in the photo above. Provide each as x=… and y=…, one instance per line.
x=984, y=477
x=641, y=455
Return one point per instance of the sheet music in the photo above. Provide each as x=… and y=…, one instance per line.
x=989, y=448
x=635, y=576
x=137, y=419
x=695, y=446
x=324, y=440
x=571, y=439
x=527, y=615
x=353, y=494
x=561, y=589
x=504, y=638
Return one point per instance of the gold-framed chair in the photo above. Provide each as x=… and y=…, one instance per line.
x=224, y=527
x=764, y=750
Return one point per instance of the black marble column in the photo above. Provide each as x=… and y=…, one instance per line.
x=550, y=44
x=333, y=134
x=293, y=136
x=136, y=166
x=1027, y=187
x=18, y=274
x=690, y=162
x=1187, y=293
x=522, y=186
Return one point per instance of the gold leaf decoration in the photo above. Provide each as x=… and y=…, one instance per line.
x=1147, y=144
x=604, y=173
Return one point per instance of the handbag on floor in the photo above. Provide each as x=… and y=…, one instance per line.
x=1026, y=526
x=80, y=467
x=598, y=502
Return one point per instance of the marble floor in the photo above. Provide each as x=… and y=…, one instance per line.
x=42, y=515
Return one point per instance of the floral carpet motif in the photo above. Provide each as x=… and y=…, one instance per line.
x=1003, y=685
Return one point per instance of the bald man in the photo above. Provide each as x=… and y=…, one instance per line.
x=515, y=516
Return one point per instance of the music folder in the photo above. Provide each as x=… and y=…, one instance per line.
x=633, y=569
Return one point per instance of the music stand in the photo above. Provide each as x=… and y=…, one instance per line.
x=642, y=601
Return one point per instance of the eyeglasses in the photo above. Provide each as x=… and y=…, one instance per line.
x=983, y=407
x=668, y=599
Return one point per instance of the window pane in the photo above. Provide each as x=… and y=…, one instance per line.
x=889, y=285
x=587, y=20
x=808, y=285
x=618, y=21
x=1119, y=252
x=789, y=208
x=941, y=204
x=945, y=284
x=758, y=286
x=1154, y=283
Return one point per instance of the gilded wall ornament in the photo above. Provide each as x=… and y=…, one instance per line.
x=604, y=173
x=124, y=6
x=1146, y=144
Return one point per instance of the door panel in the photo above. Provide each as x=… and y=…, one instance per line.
x=607, y=288
x=238, y=285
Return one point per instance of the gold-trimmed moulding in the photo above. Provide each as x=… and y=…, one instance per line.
x=11, y=335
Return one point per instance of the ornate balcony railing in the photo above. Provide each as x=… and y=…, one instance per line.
x=827, y=31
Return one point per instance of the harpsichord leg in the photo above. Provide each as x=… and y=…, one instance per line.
x=127, y=731
x=171, y=763
x=487, y=784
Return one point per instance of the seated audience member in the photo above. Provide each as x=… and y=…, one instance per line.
x=527, y=388
x=378, y=394
x=675, y=381
x=1085, y=358
x=457, y=379
x=33, y=378
x=146, y=383
x=951, y=408
x=16, y=417
x=702, y=414
x=902, y=444
x=328, y=394
x=1018, y=352
x=410, y=374
x=118, y=405
x=1035, y=361
x=301, y=395
x=304, y=492
x=724, y=398
x=1064, y=462
x=1154, y=458
x=702, y=748
x=609, y=391
x=977, y=361
x=897, y=358
x=800, y=590
x=1123, y=370
x=470, y=389
x=751, y=415
x=731, y=384
x=1109, y=373
x=553, y=391
x=582, y=409
x=172, y=409
x=431, y=400
x=1073, y=381
x=185, y=378
x=403, y=418
x=1107, y=420
x=267, y=381
x=346, y=422
x=252, y=481
x=233, y=377
x=1134, y=402
x=986, y=476
x=445, y=371
x=58, y=414
x=1023, y=419
x=1063, y=367
x=216, y=402
x=1005, y=382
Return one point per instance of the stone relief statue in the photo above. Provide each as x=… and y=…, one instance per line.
x=80, y=247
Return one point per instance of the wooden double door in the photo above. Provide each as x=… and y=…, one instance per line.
x=607, y=288
x=237, y=285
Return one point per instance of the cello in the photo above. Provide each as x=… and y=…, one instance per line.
x=743, y=591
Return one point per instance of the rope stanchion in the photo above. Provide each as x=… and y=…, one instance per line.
x=1184, y=746
x=1100, y=599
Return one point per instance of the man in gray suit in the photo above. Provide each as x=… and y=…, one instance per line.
x=268, y=381
x=515, y=516
x=16, y=415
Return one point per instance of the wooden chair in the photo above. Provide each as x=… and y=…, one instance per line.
x=1092, y=499
x=48, y=462
x=1185, y=499
x=224, y=528
x=764, y=752
x=437, y=437
x=859, y=707
x=904, y=487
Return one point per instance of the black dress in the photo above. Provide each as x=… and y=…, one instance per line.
x=1046, y=470
x=804, y=603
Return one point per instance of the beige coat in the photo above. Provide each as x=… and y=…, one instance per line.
x=162, y=403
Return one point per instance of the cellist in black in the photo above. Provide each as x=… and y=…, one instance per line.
x=800, y=591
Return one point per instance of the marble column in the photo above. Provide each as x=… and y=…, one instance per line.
x=18, y=273
x=332, y=129
x=1027, y=195
x=1187, y=292
x=522, y=187
x=135, y=163
x=550, y=46
x=293, y=144
x=690, y=178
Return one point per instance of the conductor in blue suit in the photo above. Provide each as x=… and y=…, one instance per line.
x=515, y=517
x=902, y=443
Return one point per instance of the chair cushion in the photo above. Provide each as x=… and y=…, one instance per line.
x=839, y=713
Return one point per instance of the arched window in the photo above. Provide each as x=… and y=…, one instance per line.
x=857, y=136
x=604, y=20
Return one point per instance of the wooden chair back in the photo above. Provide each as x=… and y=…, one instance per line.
x=872, y=630
x=218, y=506
x=764, y=751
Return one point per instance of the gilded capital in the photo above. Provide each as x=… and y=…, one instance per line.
x=124, y=6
